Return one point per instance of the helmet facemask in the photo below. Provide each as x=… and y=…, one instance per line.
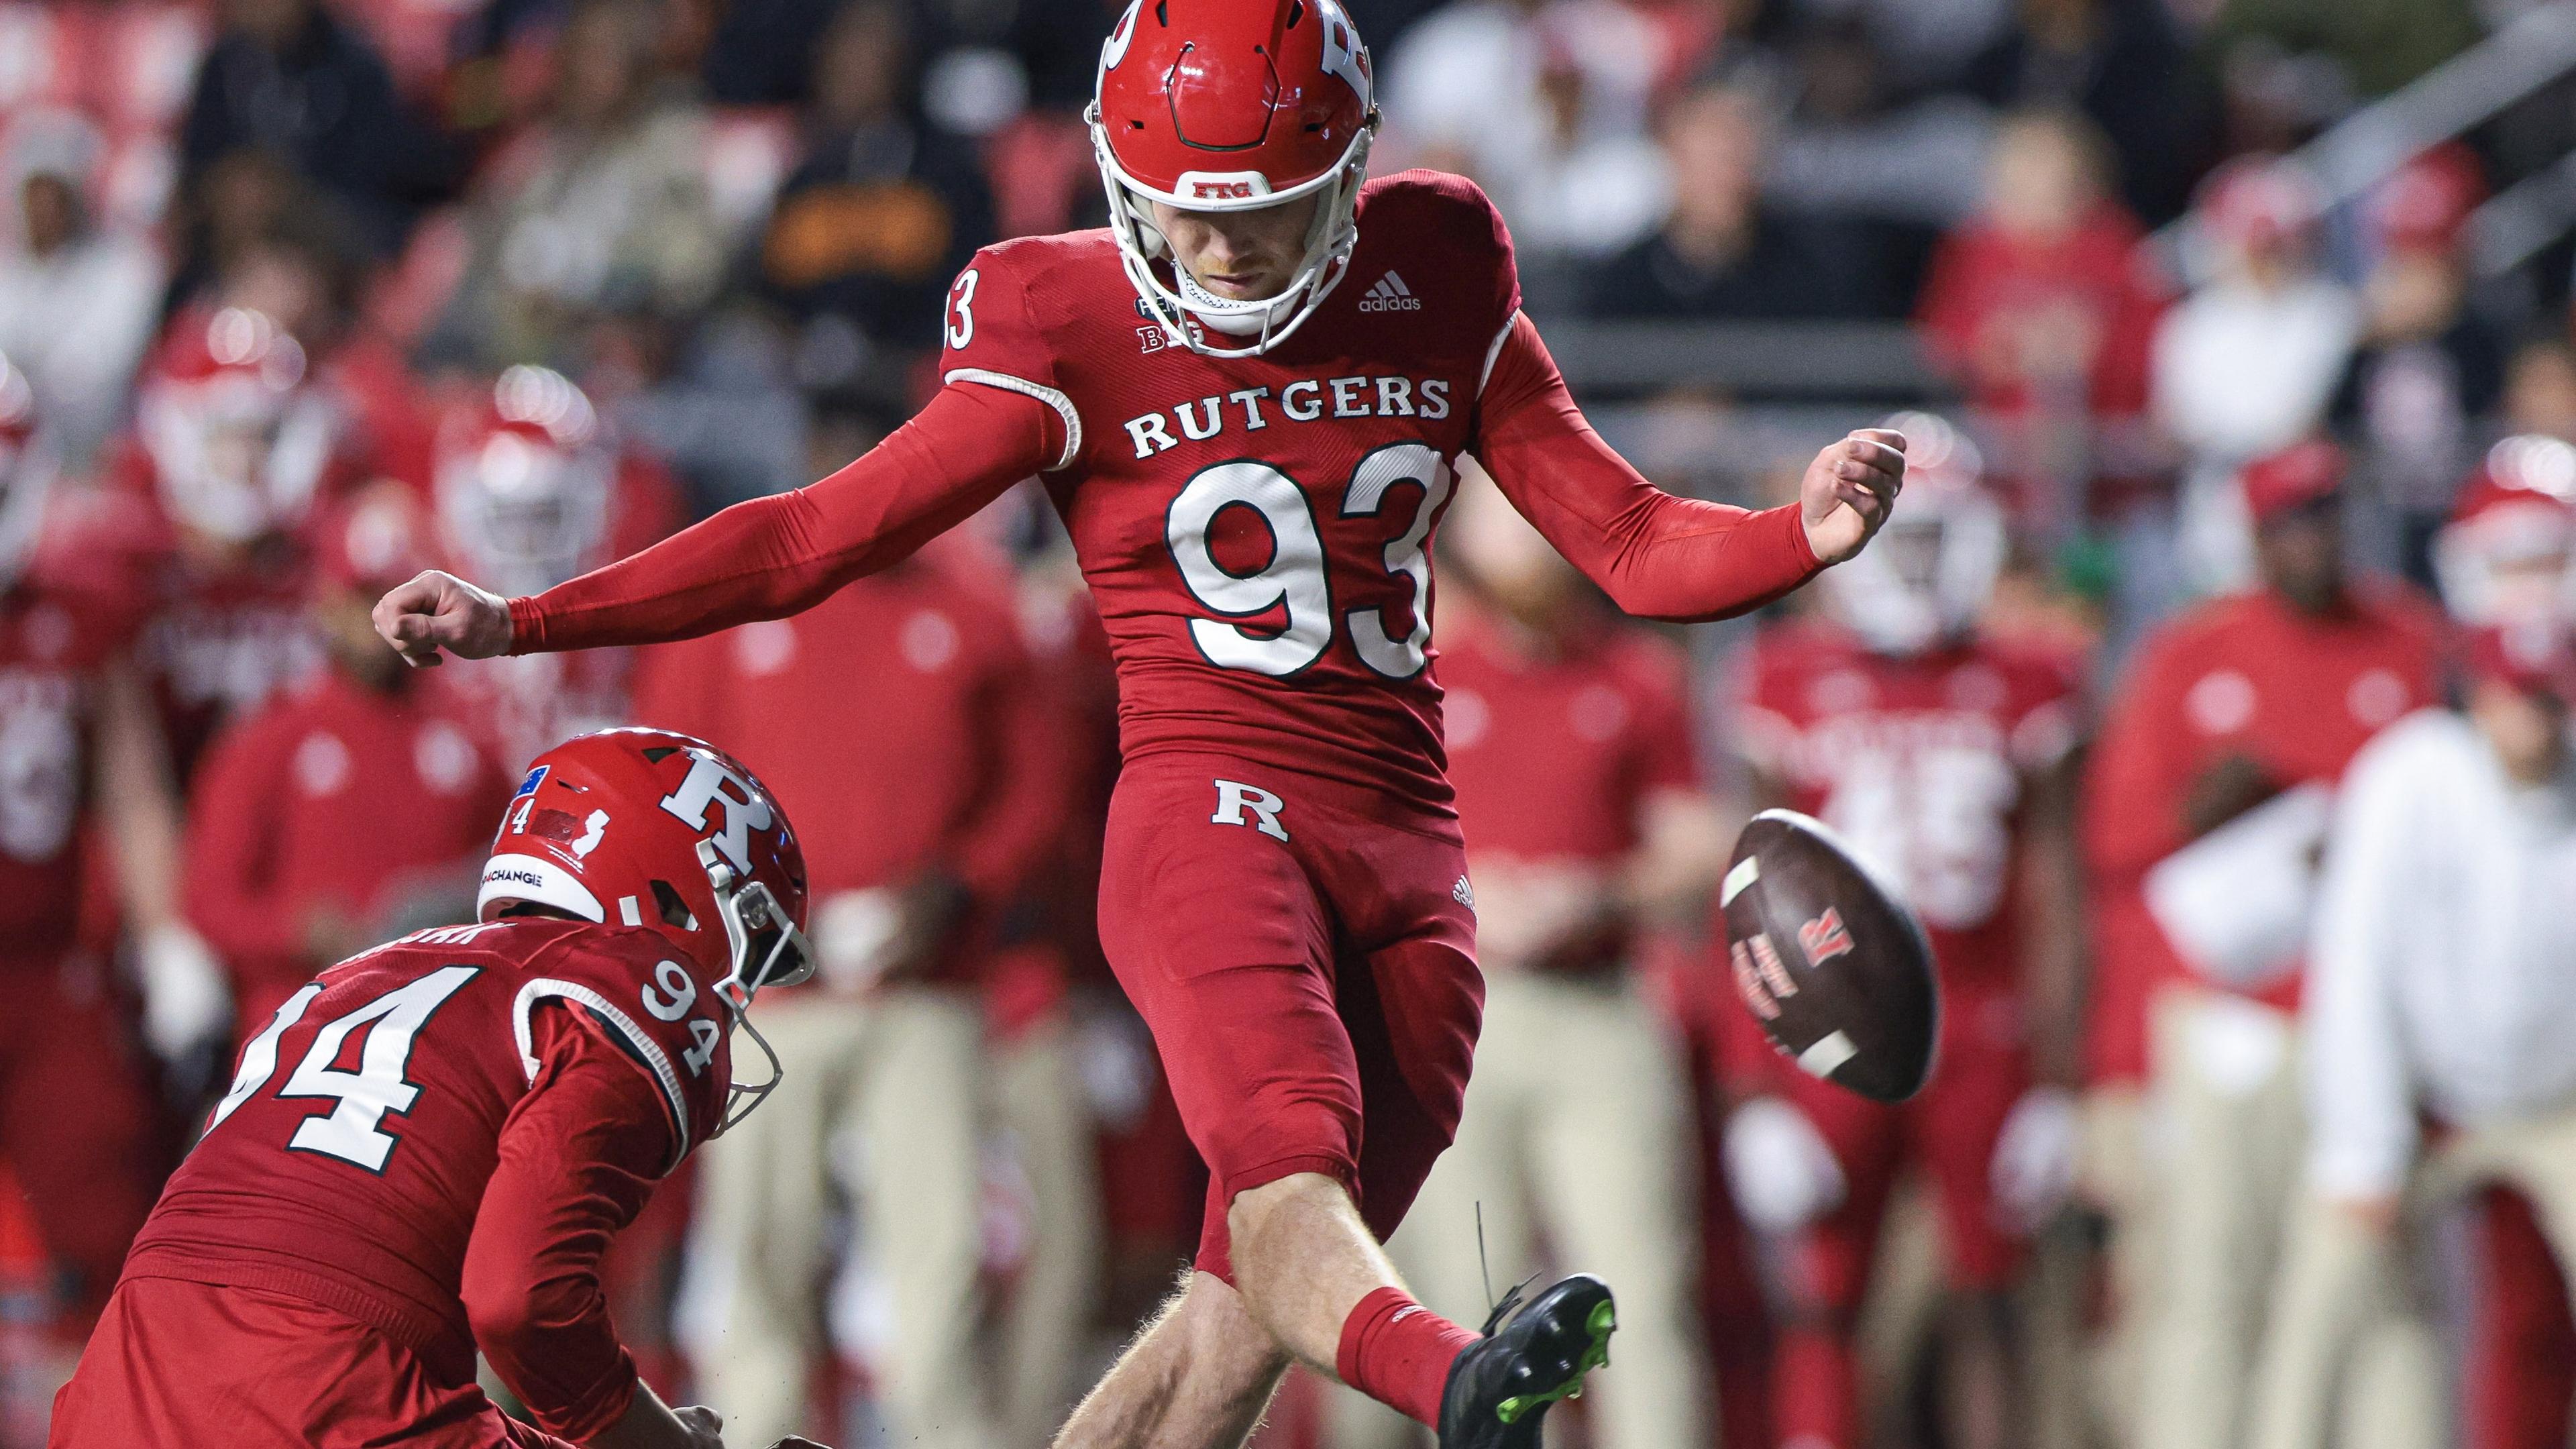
x=1269, y=321
x=767, y=949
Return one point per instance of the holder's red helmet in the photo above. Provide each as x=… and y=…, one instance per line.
x=644, y=827
x=1233, y=105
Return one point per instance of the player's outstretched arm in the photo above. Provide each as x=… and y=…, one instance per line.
x=764, y=559
x=1657, y=555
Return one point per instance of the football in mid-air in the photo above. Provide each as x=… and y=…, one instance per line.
x=1829, y=960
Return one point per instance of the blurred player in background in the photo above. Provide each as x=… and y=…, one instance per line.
x=898, y=718
x=2227, y=712
x=229, y=454
x=80, y=752
x=1251, y=443
x=1945, y=759
x=344, y=1240
x=291, y=864
x=2442, y=998
x=531, y=487
x=1570, y=745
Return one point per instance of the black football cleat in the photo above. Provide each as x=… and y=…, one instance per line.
x=1502, y=1385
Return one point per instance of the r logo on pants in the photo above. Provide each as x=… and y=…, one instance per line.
x=1233, y=797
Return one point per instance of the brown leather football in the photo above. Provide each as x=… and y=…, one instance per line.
x=1830, y=960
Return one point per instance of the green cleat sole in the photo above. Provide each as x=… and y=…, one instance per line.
x=1603, y=1322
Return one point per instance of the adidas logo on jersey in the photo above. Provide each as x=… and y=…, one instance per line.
x=1390, y=295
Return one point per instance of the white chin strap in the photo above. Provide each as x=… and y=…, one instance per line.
x=1267, y=322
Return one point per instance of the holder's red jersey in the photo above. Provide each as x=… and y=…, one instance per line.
x=1255, y=530
x=348, y=1163
x=1920, y=763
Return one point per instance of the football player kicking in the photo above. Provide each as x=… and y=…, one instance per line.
x=1246, y=396
x=429, y=1147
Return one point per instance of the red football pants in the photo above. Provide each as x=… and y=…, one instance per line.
x=180, y=1363
x=77, y=1125
x=2522, y=1365
x=1950, y=1132
x=1304, y=954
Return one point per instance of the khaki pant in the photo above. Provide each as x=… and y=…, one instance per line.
x=1044, y=1119
x=2351, y=1341
x=2226, y=1138
x=1577, y=1130
x=905, y=1069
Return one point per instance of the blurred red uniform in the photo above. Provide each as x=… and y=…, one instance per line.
x=231, y=449
x=530, y=490
x=903, y=722
x=2294, y=694
x=336, y=798
x=319, y=1276
x=290, y=861
x=75, y=1120
x=1921, y=763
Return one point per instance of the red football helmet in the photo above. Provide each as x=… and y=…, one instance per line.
x=524, y=484
x=1927, y=578
x=1233, y=105
x=26, y=475
x=2508, y=555
x=644, y=827
x=238, y=444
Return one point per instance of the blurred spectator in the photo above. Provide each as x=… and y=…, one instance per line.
x=2044, y=305
x=77, y=1124
x=883, y=208
x=1543, y=103
x=2445, y=966
x=533, y=489
x=77, y=304
x=231, y=449
x=1945, y=759
x=1570, y=745
x=287, y=78
x=2120, y=64
x=1925, y=44
x=2429, y=366
x=2247, y=363
x=290, y=866
x=600, y=208
x=1719, y=253
x=918, y=861
x=2540, y=389
x=2208, y=795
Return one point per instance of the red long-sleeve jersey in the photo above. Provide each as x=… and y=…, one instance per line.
x=289, y=815
x=439, y=1137
x=2296, y=694
x=1255, y=530
x=917, y=677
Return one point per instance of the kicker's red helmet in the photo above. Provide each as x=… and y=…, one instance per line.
x=1233, y=105
x=644, y=827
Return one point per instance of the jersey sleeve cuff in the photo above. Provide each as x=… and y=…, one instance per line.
x=1794, y=518
x=527, y=626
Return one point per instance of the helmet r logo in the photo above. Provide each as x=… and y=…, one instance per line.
x=710, y=783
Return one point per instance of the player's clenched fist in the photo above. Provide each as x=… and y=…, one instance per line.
x=441, y=611
x=1847, y=492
